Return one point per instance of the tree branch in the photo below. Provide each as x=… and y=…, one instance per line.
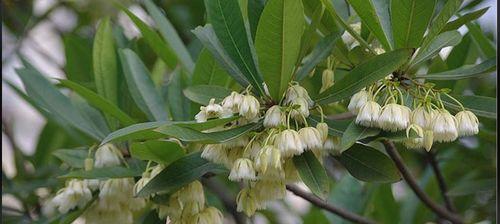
x=440, y=178
x=436, y=208
x=341, y=116
x=227, y=200
x=329, y=207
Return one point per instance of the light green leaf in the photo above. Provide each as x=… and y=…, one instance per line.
x=176, y=99
x=208, y=71
x=368, y=164
x=439, y=22
x=450, y=38
x=277, y=44
x=382, y=198
x=203, y=93
x=480, y=105
x=312, y=173
x=230, y=28
x=320, y=52
x=99, y=102
x=375, y=15
x=170, y=35
x=354, y=133
x=486, y=46
x=160, y=151
x=363, y=75
x=457, y=23
x=78, y=57
x=466, y=71
x=37, y=86
x=179, y=173
x=191, y=135
x=410, y=19
x=141, y=86
x=73, y=157
x=306, y=40
x=104, y=62
x=105, y=173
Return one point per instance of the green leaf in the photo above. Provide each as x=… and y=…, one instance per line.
x=255, y=8
x=320, y=52
x=160, y=151
x=37, y=86
x=486, y=47
x=191, y=135
x=439, y=22
x=175, y=97
x=51, y=137
x=480, y=105
x=315, y=216
x=230, y=28
x=375, y=15
x=104, y=62
x=472, y=187
x=467, y=71
x=457, y=23
x=154, y=40
x=450, y=38
x=368, y=164
x=306, y=40
x=170, y=35
x=382, y=198
x=208, y=38
x=335, y=127
x=203, y=93
x=78, y=55
x=179, y=173
x=105, y=173
x=73, y=157
x=277, y=44
x=354, y=133
x=208, y=71
x=410, y=19
x=141, y=86
x=363, y=75
x=312, y=173
x=99, y=102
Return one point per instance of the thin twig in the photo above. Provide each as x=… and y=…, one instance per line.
x=342, y=116
x=227, y=200
x=441, y=183
x=329, y=207
x=436, y=208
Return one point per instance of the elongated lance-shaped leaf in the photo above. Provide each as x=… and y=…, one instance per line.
x=277, y=44
x=231, y=30
x=480, y=105
x=170, y=35
x=354, y=133
x=141, y=86
x=208, y=38
x=208, y=71
x=255, y=8
x=467, y=71
x=363, y=75
x=160, y=151
x=312, y=173
x=375, y=15
x=410, y=19
x=320, y=52
x=203, y=93
x=176, y=100
x=462, y=20
x=439, y=22
x=310, y=31
x=449, y=38
x=486, y=46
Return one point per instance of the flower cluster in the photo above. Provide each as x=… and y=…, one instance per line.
x=114, y=203
x=429, y=121
x=262, y=159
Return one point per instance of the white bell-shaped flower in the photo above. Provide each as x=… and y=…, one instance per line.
x=302, y=111
x=75, y=194
x=215, y=153
x=202, y=115
x=288, y=141
x=242, y=170
x=247, y=201
x=115, y=192
x=327, y=79
x=249, y=107
x=310, y=137
x=368, y=114
x=213, y=109
x=394, y=117
x=296, y=91
x=233, y=101
x=268, y=156
x=273, y=117
x=467, y=123
x=107, y=155
x=323, y=130
x=423, y=117
x=357, y=101
x=445, y=127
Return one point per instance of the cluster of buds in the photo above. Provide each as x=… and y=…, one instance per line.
x=262, y=159
x=115, y=200
x=429, y=120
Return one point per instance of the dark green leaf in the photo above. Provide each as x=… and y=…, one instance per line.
x=320, y=52
x=439, y=22
x=312, y=173
x=467, y=71
x=73, y=157
x=78, y=55
x=382, y=198
x=410, y=19
x=450, y=38
x=363, y=75
x=160, y=151
x=105, y=173
x=175, y=97
x=368, y=164
x=375, y=15
x=480, y=105
x=203, y=93
x=486, y=46
x=354, y=133
x=179, y=173
x=457, y=23
x=255, y=8
x=141, y=86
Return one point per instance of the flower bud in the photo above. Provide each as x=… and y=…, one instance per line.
x=247, y=201
x=467, y=123
x=242, y=170
x=423, y=117
x=414, y=142
x=358, y=100
x=444, y=128
x=310, y=137
x=249, y=107
x=368, y=114
x=273, y=117
x=88, y=164
x=288, y=141
x=107, y=155
x=327, y=80
x=323, y=130
x=428, y=139
x=394, y=117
